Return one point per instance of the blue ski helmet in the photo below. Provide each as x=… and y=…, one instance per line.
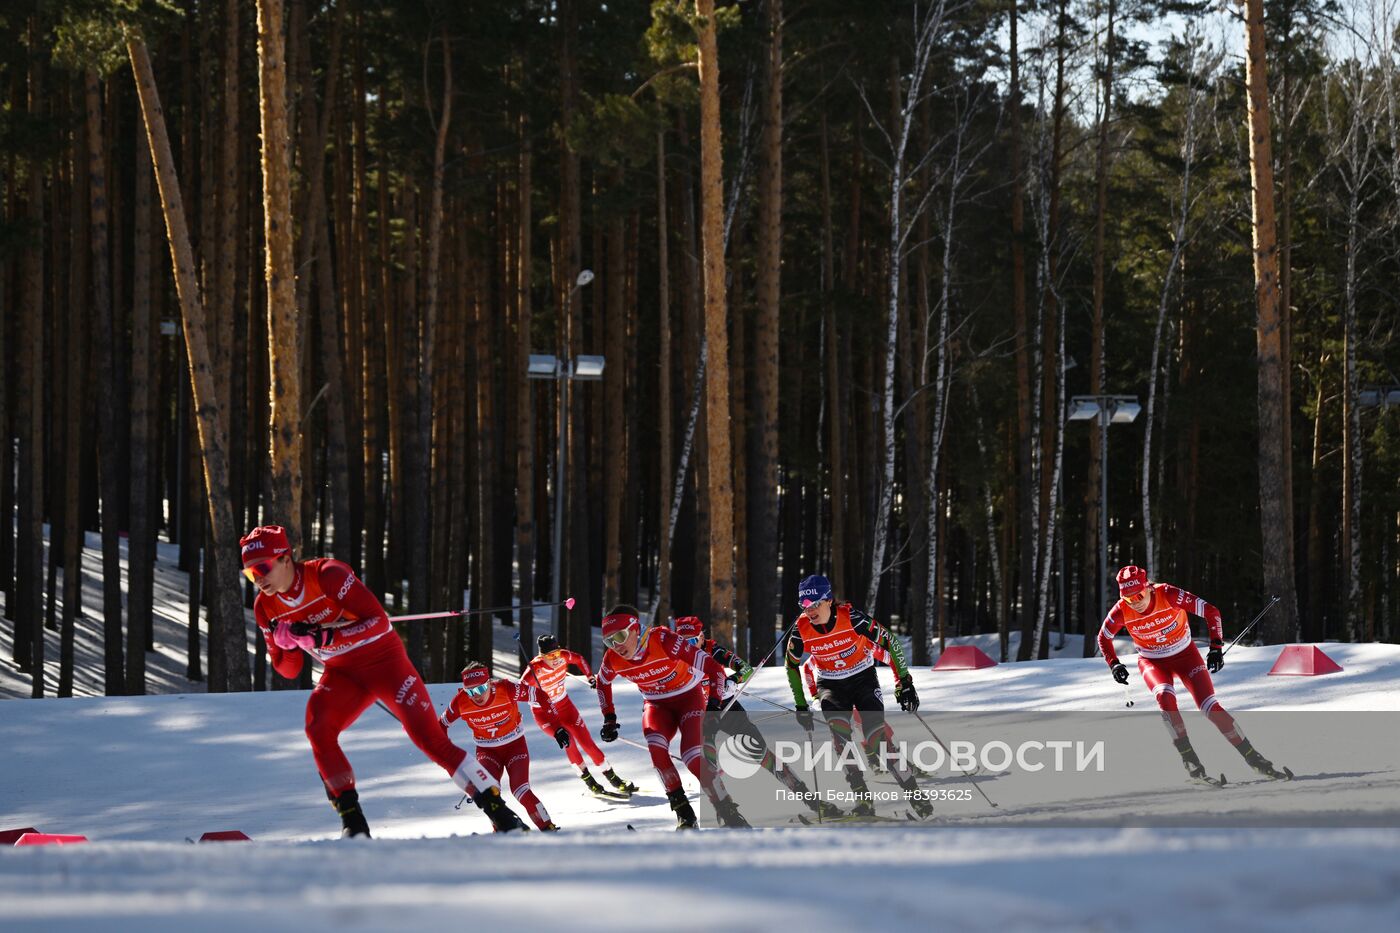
x=812, y=590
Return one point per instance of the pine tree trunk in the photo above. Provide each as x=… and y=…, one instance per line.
x=762, y=485
x=835, y=414
x=661, y=599
x=29, y=555
x=1274, y=509
x=145, y=385
x=525, y=422
x=72, y=540
x=576, y=624
x=284, y=325
x=114, y=674
x=1021, y=323
x=634, y=504
x=614, y=390
x=717, y=407
x=1096, y=352
x=212, y=430
x=421, y=521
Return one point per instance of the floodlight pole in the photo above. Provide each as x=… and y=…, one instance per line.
x=1104, y=414
x=562, y=370
x=1105, y=408
x=564, y=374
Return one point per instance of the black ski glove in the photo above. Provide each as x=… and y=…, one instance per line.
x=609, y=731
x=302, y=629
x=1120, y=673
x=561, y=735
x=804, y=718
x=906, y=696
x=1215, y=658
x=713, y=704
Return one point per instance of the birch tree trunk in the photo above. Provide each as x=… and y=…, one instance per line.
x=925, y=30
x=1179, y=238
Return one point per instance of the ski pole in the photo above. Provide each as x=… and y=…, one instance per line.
x=975, y=786
x=1127, y=697
x=647, y=748
x=782, y=638
x=620, y=738
x=458, y=613
x=816, y=785
x=773, y=703
x=1245, y=631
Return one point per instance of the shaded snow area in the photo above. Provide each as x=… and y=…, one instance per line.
x=166, y=665
x=140, y=775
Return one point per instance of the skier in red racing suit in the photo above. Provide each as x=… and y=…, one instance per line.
x=488, y=706
x=548, y=672
x=1155, y=616
x=319, y=607
x=670, y=673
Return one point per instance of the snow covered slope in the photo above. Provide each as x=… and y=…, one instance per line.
x=139, y=775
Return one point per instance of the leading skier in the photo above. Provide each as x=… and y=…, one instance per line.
x=1155, y=615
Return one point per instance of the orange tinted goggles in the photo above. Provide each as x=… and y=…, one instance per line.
x=262, y=568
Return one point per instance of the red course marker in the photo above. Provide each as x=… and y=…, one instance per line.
x=49, y=839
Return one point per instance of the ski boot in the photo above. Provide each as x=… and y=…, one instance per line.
x=549, y=827
x=590, y=782
x=921, y=805
x=1261, y=764
x=685, y=815
x=352, y=818
x=502, y=817
x=825, y=810
x=1190, y=760
x=623, y=786
x=727, y=812
x=861, y=791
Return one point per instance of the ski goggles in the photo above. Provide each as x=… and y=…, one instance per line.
x=479, y=691
x=262, y=568
x=809, y=603
x=619, y=638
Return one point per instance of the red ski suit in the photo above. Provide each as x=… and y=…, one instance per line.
x=500, y=741
x=1162, y=634
x=548, y=674
x=669, y=672
x=364, y=661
